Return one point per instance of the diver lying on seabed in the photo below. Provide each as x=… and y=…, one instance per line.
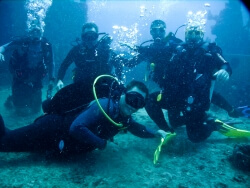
x=82, y=132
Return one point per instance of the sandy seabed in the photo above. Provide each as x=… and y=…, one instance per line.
x=128, y=161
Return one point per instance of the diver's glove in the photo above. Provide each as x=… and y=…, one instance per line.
x=2, y=57
x=161, y=133
x=222, y=75
x=105, y=41
x=59, y=85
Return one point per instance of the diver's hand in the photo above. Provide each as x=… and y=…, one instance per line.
x=161, y=133
x=1, y=57
x=59, y=85
x=221, y=75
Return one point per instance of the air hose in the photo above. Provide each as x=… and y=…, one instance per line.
x=98, y=103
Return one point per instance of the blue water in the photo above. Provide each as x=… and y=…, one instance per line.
x=227, y=27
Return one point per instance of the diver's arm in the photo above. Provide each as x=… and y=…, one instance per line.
x=3, y=48
x=66, y=63
x=80, y=128
x=117, y=62
x=132, y=62
x=223, y=64
x=63, y=68
x=140, y=130
x=224, y=68
x=143, y=55
x=50, y=62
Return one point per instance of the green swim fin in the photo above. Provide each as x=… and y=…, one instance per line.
x=163, y=142
x=229, y=131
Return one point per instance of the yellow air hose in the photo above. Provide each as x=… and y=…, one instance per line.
x=98, y=103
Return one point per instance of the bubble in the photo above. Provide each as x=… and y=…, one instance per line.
x=116, y=27
x=197, y=19
x=125, y=35
x=36, y=12
x=207, y=5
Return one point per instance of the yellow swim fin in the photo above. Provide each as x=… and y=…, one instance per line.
x=163, y=142
x=229, y=131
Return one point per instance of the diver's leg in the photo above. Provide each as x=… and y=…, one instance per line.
x=199, y=126
x=2, y=127
x=36, y=100
x=39, y=136
x=221, y=102
x=19, y=92
x=8, y=103
x=175, y=117
x=154, y=110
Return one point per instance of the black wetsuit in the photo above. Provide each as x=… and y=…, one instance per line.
x=90, y=130
x=30, y=62
x=157, y=53
x=90, y=63
x=186, y=90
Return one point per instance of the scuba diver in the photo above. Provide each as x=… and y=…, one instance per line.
x=157, y=52
x=67, y=134
x=186, y=90
x=92, y=57
x=30, y=62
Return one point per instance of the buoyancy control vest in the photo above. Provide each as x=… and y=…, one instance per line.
x=29, y=61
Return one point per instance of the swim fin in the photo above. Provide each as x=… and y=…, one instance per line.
x=229, y=131
x=163, y=142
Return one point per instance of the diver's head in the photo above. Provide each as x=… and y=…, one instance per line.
x=90, y=33
x=194, y=35
x=35, y=32
x=158, y=30
x=133, y=98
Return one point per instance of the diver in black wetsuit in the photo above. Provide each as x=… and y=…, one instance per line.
x=80, y=133
x=30, y=62
x=186, y=91
x=92, y=57
x=157, y=52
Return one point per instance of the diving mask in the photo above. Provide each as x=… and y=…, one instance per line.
x=89, y=36
x=194, y=35
x=135, y=99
